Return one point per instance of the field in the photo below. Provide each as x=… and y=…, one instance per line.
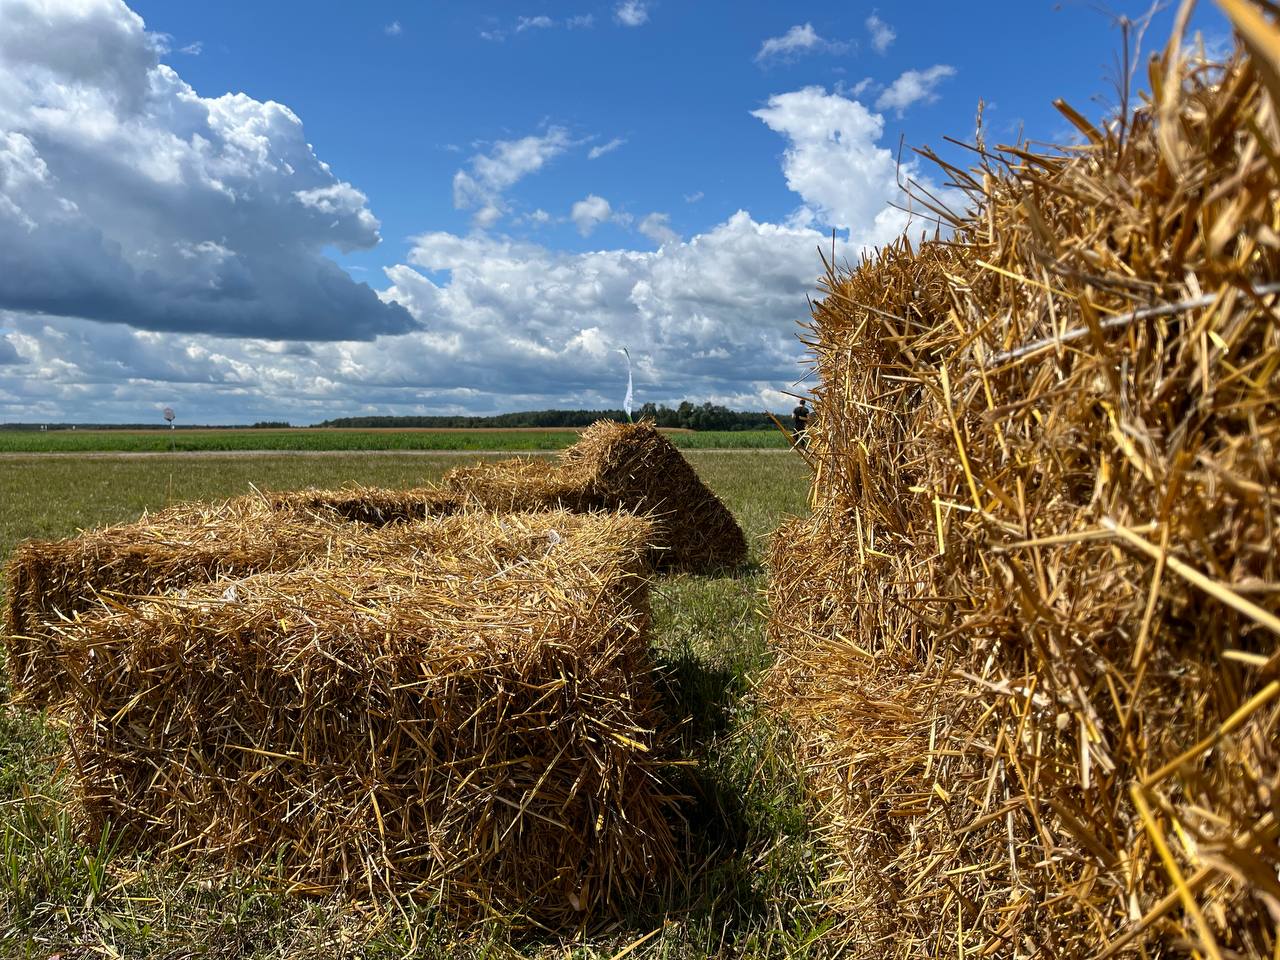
x=749, y=883
x=315, y=440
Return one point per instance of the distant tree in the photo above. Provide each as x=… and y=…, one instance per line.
x=706, y=416
x=667, y=417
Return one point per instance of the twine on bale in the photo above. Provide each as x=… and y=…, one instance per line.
x=462, y=711
x=618, y=466
x=1027, y=638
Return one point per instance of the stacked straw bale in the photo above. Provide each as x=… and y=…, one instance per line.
x=51, y=583
x=461, y=709
x=372, y=505
x=618, y=466
x=1028, y=638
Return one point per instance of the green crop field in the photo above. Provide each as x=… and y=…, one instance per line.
x=315, y=440
x=749, y=883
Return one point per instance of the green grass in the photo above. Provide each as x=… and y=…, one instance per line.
x=313, y=440
x=748, y=884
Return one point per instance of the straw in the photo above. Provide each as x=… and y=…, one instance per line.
x=461, y=710
x=53, y=582
x=618, y=466
x=1026, y=639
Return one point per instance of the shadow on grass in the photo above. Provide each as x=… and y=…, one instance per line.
x=746, y=875
x=745, y=883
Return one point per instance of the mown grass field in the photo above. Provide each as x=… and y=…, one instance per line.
x=163, y=441
x=749, y=884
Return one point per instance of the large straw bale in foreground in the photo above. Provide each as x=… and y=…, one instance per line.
x=1028, y=638
x=462, y=709
x=618, y=466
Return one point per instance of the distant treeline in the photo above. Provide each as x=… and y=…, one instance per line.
x=708, y=416
x=531, y=418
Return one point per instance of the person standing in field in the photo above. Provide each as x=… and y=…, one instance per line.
x=800, y=420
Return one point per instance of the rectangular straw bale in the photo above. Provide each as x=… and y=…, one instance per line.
x=618, y=466
x=51, y=582
x=461, y=709
x=1028, y=638
x=521, y=483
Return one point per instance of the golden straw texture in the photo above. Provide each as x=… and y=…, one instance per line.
x=461, y=709
x=372, y=505
x=618, y=466
x=1028, y=637
x=52, y=582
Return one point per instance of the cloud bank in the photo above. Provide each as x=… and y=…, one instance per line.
x=514, y=325
x=158, y=247
x=126, y=197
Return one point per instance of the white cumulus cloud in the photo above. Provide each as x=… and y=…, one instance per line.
x=126, y=197
x=632, y=13
x=836, y=164
x=801, y=38
x=481, y=187
x=914, y=86
x=589, y=212
x=882, y=35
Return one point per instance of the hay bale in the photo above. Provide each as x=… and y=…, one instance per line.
x=521, y=483
x=462, y=710
x=1028, y=636
x=371, y=505
x=51, y=583
x=618, y=466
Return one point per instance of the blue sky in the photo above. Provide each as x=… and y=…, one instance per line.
x=304, y=210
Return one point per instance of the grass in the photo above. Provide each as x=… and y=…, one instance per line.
x=313, y=440
x=749, y=883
